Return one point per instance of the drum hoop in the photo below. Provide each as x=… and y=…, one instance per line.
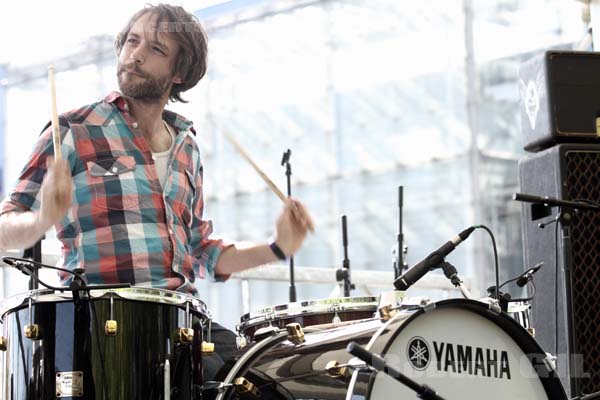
x=142, y=294
x=310, y=307
x=503, y=321
x=252, y=352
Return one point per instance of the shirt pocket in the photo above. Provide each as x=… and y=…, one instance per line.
x=112, y=181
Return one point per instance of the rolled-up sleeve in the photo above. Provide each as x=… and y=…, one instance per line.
x=25, y=193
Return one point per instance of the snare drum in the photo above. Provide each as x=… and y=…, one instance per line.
x=308, y=313
x=61, y=347
x=460, y=348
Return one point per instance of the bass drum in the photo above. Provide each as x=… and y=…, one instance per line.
x=463, y=350
x=57, y=346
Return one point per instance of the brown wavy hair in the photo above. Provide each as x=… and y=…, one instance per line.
x=185, y=29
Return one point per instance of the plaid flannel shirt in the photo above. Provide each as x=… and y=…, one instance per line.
x=122, y=227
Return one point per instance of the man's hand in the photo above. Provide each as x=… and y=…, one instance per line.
x=56, y=193
x=292, y=226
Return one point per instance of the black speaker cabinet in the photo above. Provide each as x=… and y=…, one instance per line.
x=560, y=98
x=567, y=172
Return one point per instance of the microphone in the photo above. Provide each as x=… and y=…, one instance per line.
x=379, y=364
x=25, y=266
x=528, y=275
x=430, y=262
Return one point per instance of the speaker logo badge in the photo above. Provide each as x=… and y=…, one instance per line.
x=532, y=102
x=418, y=353
x=531, y=94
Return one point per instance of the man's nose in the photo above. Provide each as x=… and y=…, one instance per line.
x=137, y=55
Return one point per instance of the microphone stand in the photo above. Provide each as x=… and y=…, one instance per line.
x=566, y=209
x=399, y=264
x=34, y=253
x=285, y=160
x=343, y=274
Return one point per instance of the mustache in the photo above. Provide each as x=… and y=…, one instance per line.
x=132, y=68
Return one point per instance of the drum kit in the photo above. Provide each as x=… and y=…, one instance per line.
x=115, y=342
x=146, y=343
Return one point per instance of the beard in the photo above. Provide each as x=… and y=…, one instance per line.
x=143, y=86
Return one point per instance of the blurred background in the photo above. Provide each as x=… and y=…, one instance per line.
x=369, y=95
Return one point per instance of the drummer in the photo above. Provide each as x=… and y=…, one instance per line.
x=126, y=198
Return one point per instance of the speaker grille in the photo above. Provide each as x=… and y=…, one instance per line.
x=582, y=182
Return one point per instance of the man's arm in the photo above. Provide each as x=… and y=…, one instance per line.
x=23, y=229
x=20, y=230
x=291, y=228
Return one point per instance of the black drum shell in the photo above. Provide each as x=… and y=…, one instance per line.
x=284, y=370
x=129, y=365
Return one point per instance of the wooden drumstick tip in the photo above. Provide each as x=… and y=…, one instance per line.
x=54, y=114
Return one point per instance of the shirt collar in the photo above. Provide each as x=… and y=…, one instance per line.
x=182, y=124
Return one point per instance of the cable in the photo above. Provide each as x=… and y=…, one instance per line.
x=523, y=299
x=495, y=258
x=22, y=348
x=13, y=261
x=30, y=273
x=594, y=203
x=509, y=281
x=556, y=287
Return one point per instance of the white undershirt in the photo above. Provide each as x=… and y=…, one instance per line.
x=161, y=160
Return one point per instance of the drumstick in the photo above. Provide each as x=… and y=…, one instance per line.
x=55, y=127
x=264, y=176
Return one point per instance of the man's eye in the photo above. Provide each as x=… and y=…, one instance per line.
x=158, y=50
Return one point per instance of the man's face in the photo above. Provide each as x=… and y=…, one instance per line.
x=145, y=66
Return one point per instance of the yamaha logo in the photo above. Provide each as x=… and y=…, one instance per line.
x=418, y=353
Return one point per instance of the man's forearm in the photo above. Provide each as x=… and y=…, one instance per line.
x=21, y=230
x=233, y=259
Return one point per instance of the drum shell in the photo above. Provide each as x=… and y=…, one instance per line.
x=364, y=381
x=284, y=370
x=72, y=339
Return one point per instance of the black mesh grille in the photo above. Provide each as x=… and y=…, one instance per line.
x=582, y=182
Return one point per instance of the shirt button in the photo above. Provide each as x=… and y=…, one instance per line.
x=135, y=124
x=170, y=231
x=114, y=169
